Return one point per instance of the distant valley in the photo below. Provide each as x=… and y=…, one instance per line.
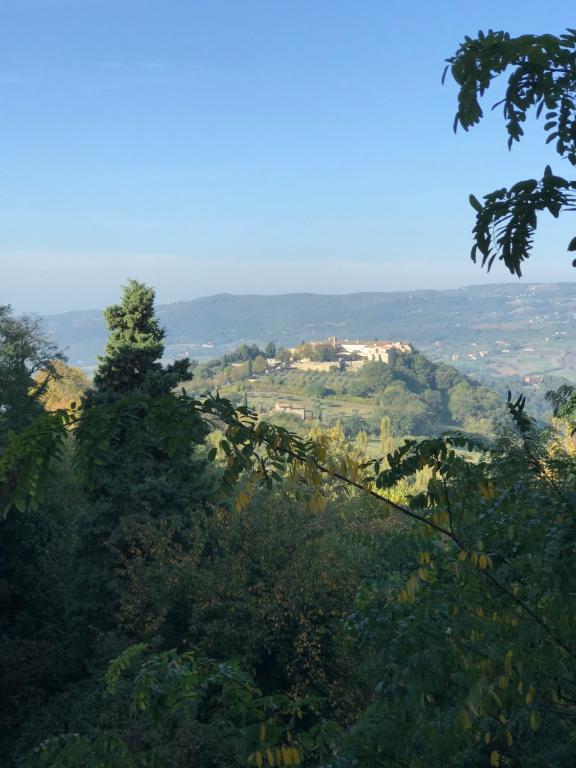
x=493, y=330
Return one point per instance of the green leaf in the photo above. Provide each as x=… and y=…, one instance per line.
x=476, y=204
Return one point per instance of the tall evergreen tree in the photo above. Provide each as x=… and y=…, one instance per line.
x=147, y=491
x=135, y=347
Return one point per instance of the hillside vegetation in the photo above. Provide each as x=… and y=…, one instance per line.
x=415, y=395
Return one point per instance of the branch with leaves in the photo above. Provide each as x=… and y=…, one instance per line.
x=542, y=77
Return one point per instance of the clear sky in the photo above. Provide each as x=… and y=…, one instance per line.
x=240, y=146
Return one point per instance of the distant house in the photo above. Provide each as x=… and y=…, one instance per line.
x=376, y=351
x=350, y=354
x=534, y=380
x=291, y=409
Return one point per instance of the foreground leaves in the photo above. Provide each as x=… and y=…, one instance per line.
x=542, y=77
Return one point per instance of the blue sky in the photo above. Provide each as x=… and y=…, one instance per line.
x=240, y=146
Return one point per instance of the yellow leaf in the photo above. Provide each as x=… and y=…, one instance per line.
x=487, y=737
x=241, y=501
x=509, y=737
x=462, y=555
x=503, y=682
x=258, y=759
x=483, y=562
x=534, y=720
x=270, y=756
x=488, y=490
x=464, y=720
x=423, y=574
x=411, y=585
x=262, y=734
x=495, y=758
x=296, y=759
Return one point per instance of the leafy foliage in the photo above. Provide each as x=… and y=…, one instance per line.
x=542, y=78
x=24, y=352
x=62, y=387
x=173, y=695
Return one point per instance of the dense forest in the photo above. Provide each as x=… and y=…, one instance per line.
x=185, y=583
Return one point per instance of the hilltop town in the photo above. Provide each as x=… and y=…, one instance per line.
x=342, y=354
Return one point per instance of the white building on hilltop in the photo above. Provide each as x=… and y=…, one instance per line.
x=376, y=350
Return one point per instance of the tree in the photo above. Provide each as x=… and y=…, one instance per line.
x=362, y=441
x=37, y=541
x=67, y=385
x=25, y=350
x=283, y=355
x=259, y=365
x=270, y=349
x=407, y=413
x=542, y=77
x=470, y=404
x=388, y=440
x=239, y=371
x=146, y=489
x=38, y=558
x=274, y=592
x=324, y=353
x=353, y=424
x=134, y=350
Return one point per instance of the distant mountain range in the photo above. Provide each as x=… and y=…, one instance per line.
x=502, y=329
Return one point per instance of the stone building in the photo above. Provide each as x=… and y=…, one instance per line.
x=369, y=350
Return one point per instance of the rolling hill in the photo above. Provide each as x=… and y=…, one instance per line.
x=504, y=330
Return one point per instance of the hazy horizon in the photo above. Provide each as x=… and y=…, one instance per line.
x=272, y=294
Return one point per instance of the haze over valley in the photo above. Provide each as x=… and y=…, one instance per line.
x=503, y=330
